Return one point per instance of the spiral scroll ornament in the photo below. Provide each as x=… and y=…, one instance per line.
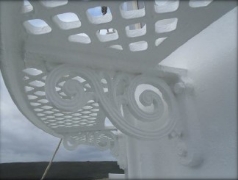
x=147, y=98
x=121, y=101
x=73, y=88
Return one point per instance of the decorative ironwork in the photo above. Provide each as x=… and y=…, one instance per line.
x=119, y=97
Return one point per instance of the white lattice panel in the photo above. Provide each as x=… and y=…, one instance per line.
x=83, y=119
x=140, y=36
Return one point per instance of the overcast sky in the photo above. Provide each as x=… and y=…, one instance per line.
x=21, y=141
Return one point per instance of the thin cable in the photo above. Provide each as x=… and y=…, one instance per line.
x=48, y=167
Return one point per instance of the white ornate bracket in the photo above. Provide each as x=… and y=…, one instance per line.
x=156, y=106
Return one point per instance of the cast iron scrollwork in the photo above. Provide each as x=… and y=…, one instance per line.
x=155, y=106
